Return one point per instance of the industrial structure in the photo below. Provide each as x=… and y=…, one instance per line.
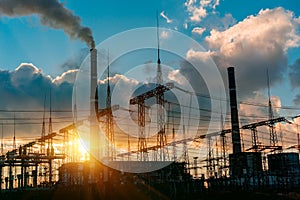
x=53, y=162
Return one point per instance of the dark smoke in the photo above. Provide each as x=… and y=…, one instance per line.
x=52, y=13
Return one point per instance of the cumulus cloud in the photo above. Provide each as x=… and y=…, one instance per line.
x=254, y=45
x=198, y=14
x=203, y=13
x=198, y=30
x=275, y=25
x=202, y=56
x=214, y=21
x=25, y=89
x=68, y=76
x=198, y=10
x=24, y=73
x=175, y=76
x=119, y=77
x=120, y=86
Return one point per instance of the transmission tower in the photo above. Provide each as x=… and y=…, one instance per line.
x=109, y=121
x=14, y=138
x=224, y=144
x=50, y=150
x=185, y=151
x=161, y=135
x=210, y=158
x=158, y=93
x=43, y=128
x=273, y=135
x=2, y=145
x=142, y=143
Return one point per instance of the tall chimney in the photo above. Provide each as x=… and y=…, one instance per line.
x=93, y=102
x=236, y=138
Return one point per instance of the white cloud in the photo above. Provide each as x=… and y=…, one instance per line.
x=25, y=89
x=211, y=3
x=119, y=77
x=266, y=30
x=189, y=3
x=29, y=66
x=205, y=2
x=198, y=10
x=175, y=76
x=198, y=14
x=68, y=76
x=24, y=73
x=168, y=20
x=255, y=44
x=198, y=30
x=203, y=56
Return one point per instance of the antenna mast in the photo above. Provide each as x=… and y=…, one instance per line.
x=159, y=73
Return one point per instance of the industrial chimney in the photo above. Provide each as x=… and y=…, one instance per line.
x=236, y=139
x=93, y=102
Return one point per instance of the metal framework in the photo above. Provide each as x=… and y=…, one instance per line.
x=256, y=146
x=140, y=101
x=109, y=122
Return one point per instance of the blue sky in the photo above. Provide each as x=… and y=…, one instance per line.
x=210, y=22
x=23, y=39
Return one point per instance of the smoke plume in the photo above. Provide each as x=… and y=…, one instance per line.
x=52, y=13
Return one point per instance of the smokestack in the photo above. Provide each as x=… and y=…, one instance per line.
x=93, y=102
x=236, y=138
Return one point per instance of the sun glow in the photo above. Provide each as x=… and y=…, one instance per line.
x=79, y=149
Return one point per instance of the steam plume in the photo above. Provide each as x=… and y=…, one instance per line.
x=52, y=13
